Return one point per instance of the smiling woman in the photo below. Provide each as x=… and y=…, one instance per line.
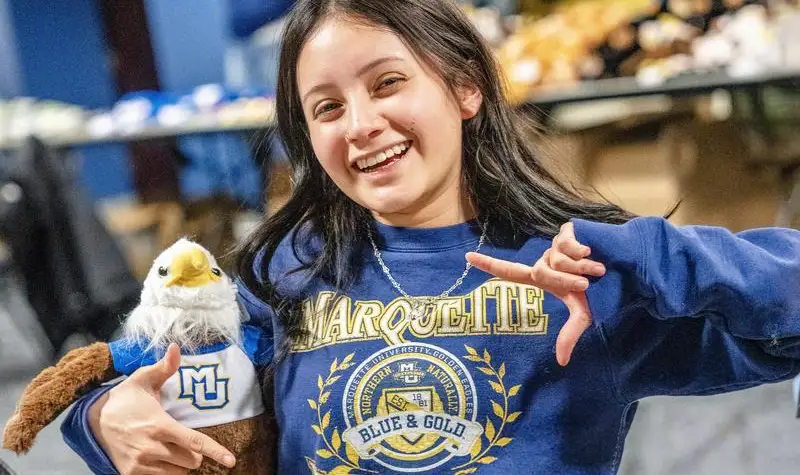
x=394, y=354
x=364, y=93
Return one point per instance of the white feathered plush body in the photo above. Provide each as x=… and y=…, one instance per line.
x=188, y=300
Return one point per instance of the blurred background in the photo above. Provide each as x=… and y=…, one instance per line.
x=125, y=124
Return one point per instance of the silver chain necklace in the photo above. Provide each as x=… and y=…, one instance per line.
x=420, y=304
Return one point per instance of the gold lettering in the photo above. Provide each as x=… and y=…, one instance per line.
x=425, y=326
x=505, y=294
x=518, y=310
x=375, y=380
x=337, y=321
x=364, y=319
x=373, y=383
x=531, y=319
x=393, y=322
x=366, y=409
x=478, y=308
x=452, y=321
x=314, y=316
x=399, y=402
x=452, y=397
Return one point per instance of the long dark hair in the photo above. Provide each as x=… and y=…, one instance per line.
x=503, y=176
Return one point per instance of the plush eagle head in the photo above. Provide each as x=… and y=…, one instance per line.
x=187, y=299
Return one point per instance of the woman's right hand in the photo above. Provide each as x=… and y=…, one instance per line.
x=560, y=271
x=139, y=436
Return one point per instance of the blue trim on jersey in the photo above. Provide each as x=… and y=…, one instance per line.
x=129, y=355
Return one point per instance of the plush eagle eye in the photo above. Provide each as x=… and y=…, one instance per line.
x=162, y=271
x=216, y=272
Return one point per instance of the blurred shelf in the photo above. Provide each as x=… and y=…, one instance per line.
x=614, y=88
x=147, y=132
x=687, y=84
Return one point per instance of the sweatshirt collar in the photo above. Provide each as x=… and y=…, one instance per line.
x=395, y=238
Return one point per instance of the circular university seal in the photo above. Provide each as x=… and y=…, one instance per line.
x=411, y=407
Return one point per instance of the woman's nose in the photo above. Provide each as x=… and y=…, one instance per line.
x=364, y=123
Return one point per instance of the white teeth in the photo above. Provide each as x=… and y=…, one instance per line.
x=382, y=156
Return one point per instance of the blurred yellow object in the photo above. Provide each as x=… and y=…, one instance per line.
x=554, y=49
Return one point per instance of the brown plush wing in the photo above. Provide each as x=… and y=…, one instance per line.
x=53, y=390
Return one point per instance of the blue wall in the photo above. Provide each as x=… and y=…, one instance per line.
x=62, y=51
x=10, y=79
x=63, y=56
x=189, y=41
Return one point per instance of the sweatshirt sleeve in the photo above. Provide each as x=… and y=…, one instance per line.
x=257, y=345
x=78, y=436
x=695, y=309
x=257, y=312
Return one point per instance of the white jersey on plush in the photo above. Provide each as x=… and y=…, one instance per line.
x=214, y=385
x=213, y=388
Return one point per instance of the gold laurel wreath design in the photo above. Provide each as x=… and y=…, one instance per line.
x=323, y=421
x=493, y=436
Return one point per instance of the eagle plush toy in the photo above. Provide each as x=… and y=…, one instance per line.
x=189, y=301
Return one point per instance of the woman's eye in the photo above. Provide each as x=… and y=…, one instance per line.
x=325, y=109
x=388, y=85
x=388, y=82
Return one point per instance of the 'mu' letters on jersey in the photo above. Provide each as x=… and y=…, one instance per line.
x=203, y=386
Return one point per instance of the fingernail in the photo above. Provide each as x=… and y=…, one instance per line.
x=582, y=285
x=599, y=268
x=228, y=460
x=586, y=250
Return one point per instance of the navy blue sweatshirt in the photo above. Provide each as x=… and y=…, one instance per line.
x=474, y=386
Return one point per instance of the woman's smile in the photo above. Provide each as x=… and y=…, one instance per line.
x=382, y=159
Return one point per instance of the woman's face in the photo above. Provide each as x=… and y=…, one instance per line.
x=383, y=125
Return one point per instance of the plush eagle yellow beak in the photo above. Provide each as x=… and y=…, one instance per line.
x=190, y=268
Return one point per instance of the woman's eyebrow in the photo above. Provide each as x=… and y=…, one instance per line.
x=377, y=62
x=363, y=70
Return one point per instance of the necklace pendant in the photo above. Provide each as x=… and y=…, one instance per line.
x=415, y=314
x=417, y=310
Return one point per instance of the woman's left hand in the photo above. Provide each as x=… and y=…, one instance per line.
x=560, y=271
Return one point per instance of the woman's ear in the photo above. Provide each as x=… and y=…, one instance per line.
x=470, y=100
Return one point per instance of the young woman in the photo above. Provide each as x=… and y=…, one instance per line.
x=393, y=353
